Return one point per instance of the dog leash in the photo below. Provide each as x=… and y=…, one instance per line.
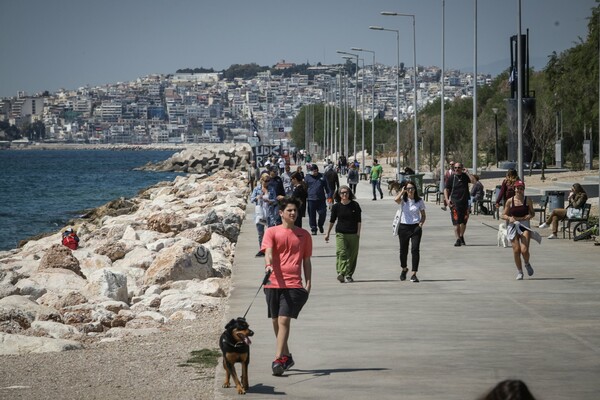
x=490, y=226
x=264, y=282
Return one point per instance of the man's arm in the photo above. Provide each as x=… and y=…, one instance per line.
x=307, y=266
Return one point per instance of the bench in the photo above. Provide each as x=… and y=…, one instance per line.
x=542, y=208
x=363, y=176
x=487, y=201
x=432, y=189
x=585, y=215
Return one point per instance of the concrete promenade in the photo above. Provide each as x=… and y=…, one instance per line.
x=466, y=326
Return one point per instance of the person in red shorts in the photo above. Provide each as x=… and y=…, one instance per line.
x=457, y=195
x=287, y=249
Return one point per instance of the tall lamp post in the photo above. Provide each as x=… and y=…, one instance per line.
x=372, y=103
x=379, y=28
x=355, y=95
x=495, y=110
x=415, y=72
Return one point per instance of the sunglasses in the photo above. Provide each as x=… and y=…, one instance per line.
x=458, y=167
x=410, y=189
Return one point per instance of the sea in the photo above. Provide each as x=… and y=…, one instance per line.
x=41, y=190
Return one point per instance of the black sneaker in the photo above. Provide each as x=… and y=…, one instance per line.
x=414, y=279
x=314, y=232
x=321, y=229
x=349, y=279
x=458, y=243
x=374, y=199
x=288, y=362
x=462, y=241
x=403, y=275
x=260, y=254
x=340, y=278
x=278, y=366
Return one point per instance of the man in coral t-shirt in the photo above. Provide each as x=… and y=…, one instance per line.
x=287, y=251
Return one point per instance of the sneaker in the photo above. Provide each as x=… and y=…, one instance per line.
x=340, y=278
x=278, y=366
x=553, y=236
x=260, y=254
x=403, y=275
x=314, y=232
x=544, y=225
x=458, y=243
x=520, y=276
x=374, y=199
x=444, y=208
x=414, y=279
x=288, y=362
x=349, y=279
x=321, y=229
x=381, y=197
x=529, y=269
x=462, y=241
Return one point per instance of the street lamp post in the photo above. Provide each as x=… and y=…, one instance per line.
x=372, y=103
x=355, y=95
x=495, y=110
x=415, y=73
x=379, y=28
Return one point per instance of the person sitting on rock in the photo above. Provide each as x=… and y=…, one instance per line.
x=70, y=239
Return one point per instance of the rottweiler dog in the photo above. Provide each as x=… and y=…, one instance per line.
x=235, y=345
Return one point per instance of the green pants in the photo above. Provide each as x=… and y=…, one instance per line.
x=346, y=253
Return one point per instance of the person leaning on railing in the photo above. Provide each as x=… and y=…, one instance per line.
x=577, y=199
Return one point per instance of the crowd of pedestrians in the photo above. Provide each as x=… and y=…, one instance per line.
x=283, y=198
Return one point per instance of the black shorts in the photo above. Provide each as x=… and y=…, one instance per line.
x=285, y=302
x=459, y=215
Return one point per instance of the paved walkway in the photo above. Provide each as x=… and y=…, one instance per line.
x=466, y=326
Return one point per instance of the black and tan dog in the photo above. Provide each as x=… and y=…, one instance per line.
x=235, y=345
x=394, y=187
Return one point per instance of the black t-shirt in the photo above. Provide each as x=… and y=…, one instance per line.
x=458, y=186
x=348, y=216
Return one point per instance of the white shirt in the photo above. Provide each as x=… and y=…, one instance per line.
x=411, y=211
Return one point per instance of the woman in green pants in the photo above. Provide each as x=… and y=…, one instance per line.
x=346, y=211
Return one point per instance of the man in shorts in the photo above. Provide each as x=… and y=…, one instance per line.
x=457, y=194
x=287, y=251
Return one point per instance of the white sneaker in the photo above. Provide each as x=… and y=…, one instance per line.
x=544, y=225
x=520, y=276
x=553, y=236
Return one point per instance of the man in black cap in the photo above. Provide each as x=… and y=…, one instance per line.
x=318, y=192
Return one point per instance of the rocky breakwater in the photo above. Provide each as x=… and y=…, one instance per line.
x=142, y=263
x=205, y=159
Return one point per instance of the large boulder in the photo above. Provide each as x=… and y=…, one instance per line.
x=105, y=283
x=168, y=222
x=19, y=344
x=180, y=263
x=59, y=256
x=59, y=281
x=113, y=250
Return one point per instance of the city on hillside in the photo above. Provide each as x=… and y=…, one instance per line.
x=205, y=107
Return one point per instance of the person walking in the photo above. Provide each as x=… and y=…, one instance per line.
x=376, y=175
x=333, y=179
x=353, y=177
x=318, y=192
x=260, y=197
x=456, y=194
x=299, y=192
x=276, y=193
x=507, y=188
x=410, y=228
x=288, y=250
x=253, y=174
x=577, y=199
x=447, y=174
x=518, y=210
x=348, y=214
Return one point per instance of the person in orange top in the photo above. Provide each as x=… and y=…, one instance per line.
x=287, y=249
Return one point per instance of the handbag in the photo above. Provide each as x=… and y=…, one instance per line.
x=396, y=223
x=574, y=212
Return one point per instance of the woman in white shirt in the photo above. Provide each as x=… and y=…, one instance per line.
x=412, y=218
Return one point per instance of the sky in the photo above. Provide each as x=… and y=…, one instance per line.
x=54, y=44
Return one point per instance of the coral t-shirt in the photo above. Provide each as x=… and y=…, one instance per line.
x=290, y=247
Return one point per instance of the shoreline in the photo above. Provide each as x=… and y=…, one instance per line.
x=103, y=146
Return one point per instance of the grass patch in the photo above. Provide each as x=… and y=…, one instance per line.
x=205, y=358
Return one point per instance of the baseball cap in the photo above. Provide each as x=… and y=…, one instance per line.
x=519, y=183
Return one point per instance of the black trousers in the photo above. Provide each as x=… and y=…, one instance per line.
x=410, y=234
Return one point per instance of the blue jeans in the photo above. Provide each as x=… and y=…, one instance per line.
x=316, y=207
x=377, y=185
